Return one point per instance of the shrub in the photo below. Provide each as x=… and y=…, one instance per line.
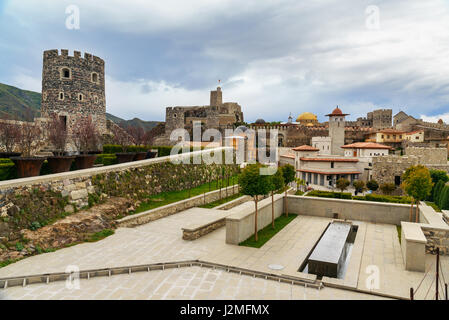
x=19, y=246
x=359, y=185
x=7, y=170
x=386, y=198
x=437, y=191
x=372, y=185
x=106, y=159
x=342, y=184
x=112, y=148
x=387, y=188
x=329, y=194
x=35, y=225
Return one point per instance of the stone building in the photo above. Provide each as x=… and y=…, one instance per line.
x=389, y=169
x=74, y=87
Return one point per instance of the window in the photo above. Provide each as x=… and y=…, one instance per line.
x=44, y=96
x=95, y=99
x=397, y=180
x=66, y=73
x=95, y=77
x=80, y=97
x=61, y=96
x=332, y=165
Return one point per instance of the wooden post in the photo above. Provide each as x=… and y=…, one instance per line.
x=411, y=294
x=437, y=273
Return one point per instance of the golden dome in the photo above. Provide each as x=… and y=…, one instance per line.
x=310, y=124
x=306, y=116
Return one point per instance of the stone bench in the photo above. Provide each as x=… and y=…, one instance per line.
x=213, y=220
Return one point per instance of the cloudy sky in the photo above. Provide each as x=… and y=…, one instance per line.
x=272, y=57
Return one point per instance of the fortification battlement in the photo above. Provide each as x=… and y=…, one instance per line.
x=54, y=53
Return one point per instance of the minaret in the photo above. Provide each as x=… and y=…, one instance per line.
x=290, y=118
x=337, y=123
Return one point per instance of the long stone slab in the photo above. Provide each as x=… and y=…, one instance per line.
x=329, y=254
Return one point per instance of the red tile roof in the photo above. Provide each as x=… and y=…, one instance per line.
x=305, y=148
x=329, y=159
x=336, y=112
x=288, y=156
x=327, y=172
x=366, y=145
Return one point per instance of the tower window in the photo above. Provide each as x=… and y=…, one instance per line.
x=66, y=73
x=80, y=97
x=95, y=99
x=44, y=96
x=61, y=96
x=94, y=77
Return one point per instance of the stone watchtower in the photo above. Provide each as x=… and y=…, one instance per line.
x=337, y=123
x=74, y=87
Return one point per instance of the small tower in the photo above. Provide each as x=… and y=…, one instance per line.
x=290, y=118
x=337, y=123
x=73, y=87
x=216, y=98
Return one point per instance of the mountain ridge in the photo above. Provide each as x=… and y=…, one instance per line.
x=20, y=104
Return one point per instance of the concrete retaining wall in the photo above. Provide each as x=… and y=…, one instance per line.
x=378, y=212
x=240, y=222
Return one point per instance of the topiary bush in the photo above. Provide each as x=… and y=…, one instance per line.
x=329, y=194
x=7, y=170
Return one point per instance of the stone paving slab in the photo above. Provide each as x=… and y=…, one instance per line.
x=160, y=241
x=186, y=283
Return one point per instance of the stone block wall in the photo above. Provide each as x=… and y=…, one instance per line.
x=436, y=156
x=437, y=238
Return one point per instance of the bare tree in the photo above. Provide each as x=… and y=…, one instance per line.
x=85, y=135
x=57, y=134
x=28, y=138
x=137, y=134
x=9, y=135
x=121, y=137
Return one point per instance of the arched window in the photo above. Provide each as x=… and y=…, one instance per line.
x=66, y=73
x=94, y=77
x=61, y=96
x=80, y=97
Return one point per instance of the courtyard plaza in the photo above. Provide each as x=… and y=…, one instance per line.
x=161, y=241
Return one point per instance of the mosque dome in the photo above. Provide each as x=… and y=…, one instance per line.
x=260, y=121
x=306, y=116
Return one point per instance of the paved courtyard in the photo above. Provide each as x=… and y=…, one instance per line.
x=160, y=241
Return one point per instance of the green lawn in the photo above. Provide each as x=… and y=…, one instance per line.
x=268, y=232
x=222, y=201
x=164, y=198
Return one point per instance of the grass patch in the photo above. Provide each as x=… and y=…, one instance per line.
x=268, y=232
x=299, y=193
x=220, y=202
x=399, y=229
x=434, y=206
x=100, y=235
x=164, y=198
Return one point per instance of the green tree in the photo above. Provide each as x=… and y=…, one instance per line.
x=342, y=184
x=372, y=185
x=444, y=198
x=277, y=183
x=418, y=184
x=437, y=192
x=253, y=184
x=300, y=182
x=387, y=188
x=437, y=176
x=289, y=174
x=359, y=186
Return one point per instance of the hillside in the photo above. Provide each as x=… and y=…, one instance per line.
x=21, y=104
x=18, y=104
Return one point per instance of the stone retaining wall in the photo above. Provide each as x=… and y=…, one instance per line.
x=43, y=198
x=164, y=211
x=436, y=238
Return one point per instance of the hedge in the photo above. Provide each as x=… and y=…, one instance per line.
x=368, y=197
x=329, y=194
x=106, y=159
x=7, y=170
